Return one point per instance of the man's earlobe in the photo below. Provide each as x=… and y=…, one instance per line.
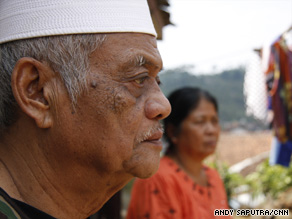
x=29, y=84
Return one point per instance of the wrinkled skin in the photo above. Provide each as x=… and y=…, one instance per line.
x=124, y=102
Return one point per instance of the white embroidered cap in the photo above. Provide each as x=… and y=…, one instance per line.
x=22, y=19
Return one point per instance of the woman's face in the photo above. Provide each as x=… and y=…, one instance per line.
x=199, y=131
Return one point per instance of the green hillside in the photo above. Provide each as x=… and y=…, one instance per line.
x=226, y=86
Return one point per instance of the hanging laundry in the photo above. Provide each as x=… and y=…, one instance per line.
x=254, y=88
x=279, y=87
x=280, y=153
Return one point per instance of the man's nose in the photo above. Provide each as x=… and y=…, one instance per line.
x=157, y=106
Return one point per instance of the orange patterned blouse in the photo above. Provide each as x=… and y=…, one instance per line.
x=171, y=193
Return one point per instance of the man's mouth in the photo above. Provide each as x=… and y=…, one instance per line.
x=152, y=135
x=156, y=136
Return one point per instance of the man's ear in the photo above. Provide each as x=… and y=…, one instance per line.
x=30, y=88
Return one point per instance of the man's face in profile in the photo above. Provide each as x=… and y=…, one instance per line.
x=115, y=128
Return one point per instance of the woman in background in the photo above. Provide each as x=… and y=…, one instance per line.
x=183, y=187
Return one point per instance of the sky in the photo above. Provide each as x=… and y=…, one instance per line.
x=213, y=35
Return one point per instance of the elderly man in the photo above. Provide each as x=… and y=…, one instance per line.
x=80, y=104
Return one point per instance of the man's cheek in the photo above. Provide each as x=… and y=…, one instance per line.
x=123, y=100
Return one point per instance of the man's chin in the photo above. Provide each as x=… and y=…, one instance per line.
x=147, y=175
x=146, y=169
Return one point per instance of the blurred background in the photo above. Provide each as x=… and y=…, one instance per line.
x=215, y=35
x=224, y=46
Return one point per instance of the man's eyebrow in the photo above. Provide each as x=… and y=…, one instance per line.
x=141, y=60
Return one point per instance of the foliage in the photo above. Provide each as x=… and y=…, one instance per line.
x=231, y=180
x=269, y=180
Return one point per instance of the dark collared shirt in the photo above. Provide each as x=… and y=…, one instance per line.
x=13, y=209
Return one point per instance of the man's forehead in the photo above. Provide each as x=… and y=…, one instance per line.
x=130, y=50
x=139, y=58
x=138, y=39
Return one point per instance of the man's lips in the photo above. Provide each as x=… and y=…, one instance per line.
x=156, y=136
x=154, y=139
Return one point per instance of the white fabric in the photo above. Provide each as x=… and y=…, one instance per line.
x=20, y=19
x=255, y=89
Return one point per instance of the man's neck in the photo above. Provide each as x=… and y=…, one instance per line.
x=26, y=176
x=7, y=183
x=62, y=189
x=44, y=193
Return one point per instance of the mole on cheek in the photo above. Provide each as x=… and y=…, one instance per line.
x=93, y=84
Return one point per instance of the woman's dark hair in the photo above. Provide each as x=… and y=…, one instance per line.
x=182, y=102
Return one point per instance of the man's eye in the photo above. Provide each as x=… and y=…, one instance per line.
x=158, y=80
x=140, y=80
